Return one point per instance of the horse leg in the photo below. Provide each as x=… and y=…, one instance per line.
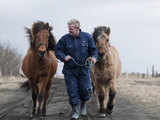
x=40, y=97
x=45, y=103
x=106, y=97
x=47, y=93
x=112, y=94
x=39, y=102
x=100, y=94
x=103, y=100
x=34, y=96
x=34, y=99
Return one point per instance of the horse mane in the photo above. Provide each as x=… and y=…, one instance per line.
x=51, y=40
x=98, y=30
x=36, y=27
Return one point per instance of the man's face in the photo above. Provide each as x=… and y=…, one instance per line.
x=73, y=30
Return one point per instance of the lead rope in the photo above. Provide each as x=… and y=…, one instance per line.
x=88, y=63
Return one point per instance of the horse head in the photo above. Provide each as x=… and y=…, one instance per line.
x=101, y=37
x=39, y=36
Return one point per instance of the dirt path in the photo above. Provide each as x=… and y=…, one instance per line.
x=129, y=105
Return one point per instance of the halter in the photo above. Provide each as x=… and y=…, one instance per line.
x=109, y=51
x=101, y=46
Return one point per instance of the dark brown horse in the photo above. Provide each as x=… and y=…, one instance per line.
x=106, y=70
x=40, y=65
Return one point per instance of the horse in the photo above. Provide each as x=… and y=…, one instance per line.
x=105, y=71
x=39, y=65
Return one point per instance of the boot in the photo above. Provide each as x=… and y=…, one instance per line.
x=75, y=114
x=83, y=109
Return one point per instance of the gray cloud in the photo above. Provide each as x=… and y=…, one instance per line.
x=134, y=24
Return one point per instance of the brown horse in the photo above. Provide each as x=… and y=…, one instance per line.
x=39, y=65
x=106, y=70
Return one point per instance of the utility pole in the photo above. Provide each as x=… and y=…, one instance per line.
x=147, y=74
x=153, y=71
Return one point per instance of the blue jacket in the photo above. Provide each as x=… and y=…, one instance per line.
x=79, y=48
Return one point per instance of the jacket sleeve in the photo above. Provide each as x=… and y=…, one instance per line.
x=92, y=48
x=60, y=48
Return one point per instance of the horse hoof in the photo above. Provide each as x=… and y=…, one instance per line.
x=109, y=112
x=43, y=118
x=84, y=117
x=32, y=115
x=102, y=115
x=43, y=114
x=74, y=119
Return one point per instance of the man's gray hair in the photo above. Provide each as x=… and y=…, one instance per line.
x=74, y=22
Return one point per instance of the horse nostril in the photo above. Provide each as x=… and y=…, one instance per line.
x=41, y=53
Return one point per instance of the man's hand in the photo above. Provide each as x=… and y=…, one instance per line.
x=93, y=60
x=67, y=58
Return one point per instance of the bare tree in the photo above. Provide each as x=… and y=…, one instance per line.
x=9, y=60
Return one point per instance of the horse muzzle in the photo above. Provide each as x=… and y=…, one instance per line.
x=41, y=53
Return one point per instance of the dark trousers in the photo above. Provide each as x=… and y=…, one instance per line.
x=78, y=84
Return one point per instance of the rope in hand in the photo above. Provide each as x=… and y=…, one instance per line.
x=88, y=63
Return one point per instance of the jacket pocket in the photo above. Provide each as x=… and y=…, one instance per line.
x=84, y=47
x=70, y=64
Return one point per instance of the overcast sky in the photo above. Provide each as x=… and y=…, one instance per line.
x=135, y=25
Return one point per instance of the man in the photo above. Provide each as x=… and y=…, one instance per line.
x=73, y=49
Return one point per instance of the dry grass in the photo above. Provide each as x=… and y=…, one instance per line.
x=11, y=82
x=143, y=92
x=9, y=89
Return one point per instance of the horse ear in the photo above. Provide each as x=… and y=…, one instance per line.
x=47, y=25
x=30, y=35
x=108, y=30
x=29, y=32
x=50, y=28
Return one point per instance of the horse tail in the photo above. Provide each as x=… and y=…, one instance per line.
x=25, y=85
